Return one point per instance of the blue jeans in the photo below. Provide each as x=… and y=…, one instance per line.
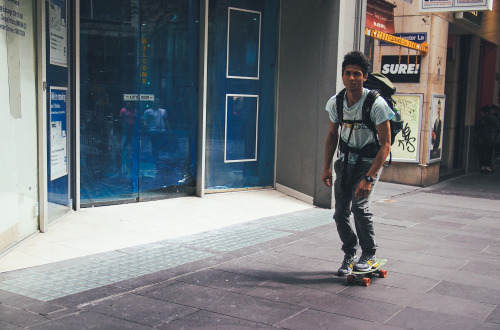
x=344, y=198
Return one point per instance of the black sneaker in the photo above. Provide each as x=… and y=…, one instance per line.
x=346, y=268
x=366, y=262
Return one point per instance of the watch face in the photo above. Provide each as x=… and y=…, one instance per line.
x=368, y=178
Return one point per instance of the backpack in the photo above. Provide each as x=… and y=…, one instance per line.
x=379, y=86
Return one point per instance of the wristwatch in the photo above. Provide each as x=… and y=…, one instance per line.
x=368, y=178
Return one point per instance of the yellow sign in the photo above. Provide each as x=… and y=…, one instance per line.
x=423, y=47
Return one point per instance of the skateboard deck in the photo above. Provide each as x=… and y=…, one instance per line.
x=363, y=277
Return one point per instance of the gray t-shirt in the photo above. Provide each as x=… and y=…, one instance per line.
x=362, y=134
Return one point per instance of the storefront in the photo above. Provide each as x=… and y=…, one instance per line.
x=440, y=90
x=132, y=100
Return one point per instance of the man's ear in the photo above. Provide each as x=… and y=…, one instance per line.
x=365, y=76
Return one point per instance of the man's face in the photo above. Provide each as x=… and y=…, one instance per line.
x=353, y=77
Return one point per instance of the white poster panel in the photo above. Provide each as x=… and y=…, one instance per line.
x=436, y=129
x=58, y=33
x=407, y=145
x=58, y=141
x=454, y=5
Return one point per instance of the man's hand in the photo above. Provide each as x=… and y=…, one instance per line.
x=327, y=178
x=363, y=189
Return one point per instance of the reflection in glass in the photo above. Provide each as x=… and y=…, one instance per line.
x=139, y=86
x=243, y=45
x=241, y=127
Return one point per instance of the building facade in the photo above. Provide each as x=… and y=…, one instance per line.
x=121, y=101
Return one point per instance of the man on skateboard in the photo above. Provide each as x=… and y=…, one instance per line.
x=359, y=164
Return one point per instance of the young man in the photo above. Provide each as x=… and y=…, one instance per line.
x=355, y=184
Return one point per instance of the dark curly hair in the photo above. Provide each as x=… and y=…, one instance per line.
x=356, y=57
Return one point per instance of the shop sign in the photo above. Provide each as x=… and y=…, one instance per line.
x=380, y=16
x=136, y=97
x=454, y=5
x=401, y=69
x=418, y=37
x=423, y=47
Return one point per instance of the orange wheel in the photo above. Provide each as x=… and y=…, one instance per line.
x=351, y=279
x=365, y=281
x=382, y=273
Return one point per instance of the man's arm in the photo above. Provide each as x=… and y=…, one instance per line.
x=384, y=137
x=330, y=146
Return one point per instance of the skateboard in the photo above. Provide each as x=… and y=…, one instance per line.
x=364, y=277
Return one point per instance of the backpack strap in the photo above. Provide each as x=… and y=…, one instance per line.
x=340, y=105
x=367, y=107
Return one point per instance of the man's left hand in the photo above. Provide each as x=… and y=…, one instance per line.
x=363, y=189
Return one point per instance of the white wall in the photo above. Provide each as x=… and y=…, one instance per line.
x=18, y=129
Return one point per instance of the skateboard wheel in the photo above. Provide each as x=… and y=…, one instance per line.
x=365, y=281
x=351, y=279
x=382, y=273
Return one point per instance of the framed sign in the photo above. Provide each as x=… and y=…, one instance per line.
x=58, y=33
x=436, y=129
x=401, y=69
x=454, y=5
x=407, y=145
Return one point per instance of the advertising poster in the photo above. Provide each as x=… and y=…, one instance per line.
x=58, y=145
x=436, y=131
x=58, y=33
x=407, y=145
x=380, y=16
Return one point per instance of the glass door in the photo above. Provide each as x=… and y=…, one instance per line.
x=241, y=94
x=139, y=99
x=59, y=112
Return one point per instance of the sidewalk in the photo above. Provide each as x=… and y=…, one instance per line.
x=277, y=270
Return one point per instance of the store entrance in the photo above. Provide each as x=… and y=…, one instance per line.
x=139, y=99
x=242, y=59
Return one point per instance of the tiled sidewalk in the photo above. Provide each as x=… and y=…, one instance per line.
x=442, y=243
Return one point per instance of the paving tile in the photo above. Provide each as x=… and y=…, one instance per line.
x=140, y=309
x=324, y=279
x=451, y=275
x=408, y=282
x=411, y=318
x=91, y=321
x=291, y=261
x=369, y=310
x=19, y=317
x=471, y=240
x=86, y=296
x=206, y=320
x=424, y=301
x=224, y=302
x=222, y=280
x=485, y=268
x=494, y=317
x=314, y=320
x=30, y=304
x=486, y=295
x=452, y=263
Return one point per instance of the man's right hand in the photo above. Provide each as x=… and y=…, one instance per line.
x=327, y=178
